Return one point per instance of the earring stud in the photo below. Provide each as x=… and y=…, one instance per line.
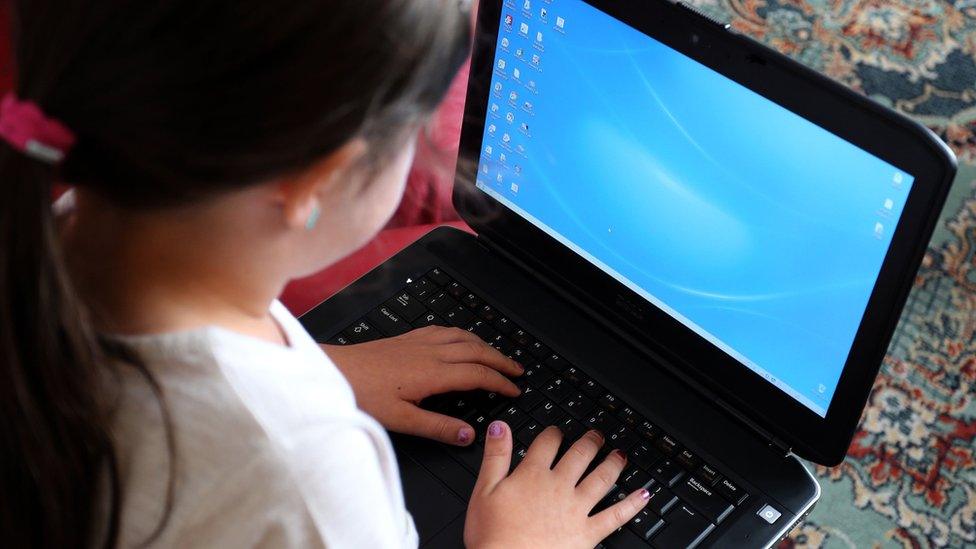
x=313, y=218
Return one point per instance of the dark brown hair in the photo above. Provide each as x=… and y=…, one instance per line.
x=171, y=102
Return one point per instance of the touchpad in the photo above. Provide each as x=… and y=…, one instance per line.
x=432, y=505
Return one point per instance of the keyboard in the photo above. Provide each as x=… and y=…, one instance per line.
x=689, y=498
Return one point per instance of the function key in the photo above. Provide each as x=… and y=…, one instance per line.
x=667, y=445
x=574, y=376
x=459, y=316
x=731, y=491
x=470, y=301
x=487, y=312
x=610, y=402
x=408, y=306
x=688, y=459
x=539, y=350
x=456, y=290
x=504, y=325
x=422, y=288
x=557, y=362
x=439, y=277
x=708, y=473
x=522, y=338
x=647, y=430
x=361, y=332
x=592, y=389
x=629, y=416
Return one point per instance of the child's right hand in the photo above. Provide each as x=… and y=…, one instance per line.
x=539, y=505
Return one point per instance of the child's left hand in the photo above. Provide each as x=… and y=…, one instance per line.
x=391, y=376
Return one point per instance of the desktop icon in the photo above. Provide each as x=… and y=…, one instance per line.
x=509, y=20
x=501, y=64
x=543, y=13
x=502, y=158
x=513, y=97
x=514, y=187
x=519, y=52
x=535, y=59
x=524, y=127
x=527, y=106
x=499, y=178
x=560, y=23
x=518, y=169
x=516, y=73
x=878, y=230
x=492, y=129
x=538, y=37
x=531, y=85
x=506, y=138
x=505, y=42
x=898, y=179
x=488, y=150
x=527, y=5
x=524, y=29
x=510, y=117
x=484, y=168
x=889, y=204
x=494, y=108
x=498, y=87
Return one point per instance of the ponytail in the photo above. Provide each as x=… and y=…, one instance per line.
x=54, y=430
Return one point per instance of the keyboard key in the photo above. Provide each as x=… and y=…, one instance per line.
x=483, y=330
x=459, y=317
x=456, y=290
x=731, y=491
x=683, y=528
x=688, y=459
x=624, y=538
x=514, y=417
x=339, y=340
x=441, y=302
x=592, y=389
x=634, y=478
x=661, y=499
x=470, y=301
x=647, y=430
x=571, y=429
x=621, y=438
x=708, y=474
x=557, y=389
x=601, y=421
x=644, y=455
x=529, y=399
x=460, y=407
x=429, y=319
x=574, y=376
x=504, y=325
x=439, y=277
x=578, y=406
x=610, y=402
x=693, y=491
x=361, y=332
x=536, y=375
x=388, y=322
x=528, y=432
x=519, y=355
x=480, y=423
x=547, y=413
x=502, y=344
x=629, y=417
x=407, y=306
x=421, y=288
x=518, y=454
x=645, y=524
x=487, y=312
x=557, y=362
x=667, y=445
x=522, y=338
x=538, y=350
x=667, y=472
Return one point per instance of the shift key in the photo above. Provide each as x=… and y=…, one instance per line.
x=684, y=527
x=703, y=498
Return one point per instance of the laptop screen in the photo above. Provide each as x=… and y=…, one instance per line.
x=755, y=228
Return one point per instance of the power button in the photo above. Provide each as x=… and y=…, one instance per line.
x=769, y=514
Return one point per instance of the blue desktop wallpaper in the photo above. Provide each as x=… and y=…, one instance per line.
x=756, y=228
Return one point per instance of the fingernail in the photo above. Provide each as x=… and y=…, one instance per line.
x=620, y=454
x=496, y=429
x=644, y=494
x=519, y=367
x=465, y=434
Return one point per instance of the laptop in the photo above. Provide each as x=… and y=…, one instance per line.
x=692, y=243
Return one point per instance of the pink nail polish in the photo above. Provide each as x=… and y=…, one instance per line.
x=644, y=494
x=496, y=429
x=464, y=435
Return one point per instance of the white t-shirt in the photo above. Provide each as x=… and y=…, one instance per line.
x=271, y=448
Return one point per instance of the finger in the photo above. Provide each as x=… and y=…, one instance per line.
x=610, y=519
x=543, y=449
x=412, y=420
x=468, y=377
x=444, y=335
x=598, y=483
x=480, y=352
x=578, y=457
x=497, y=458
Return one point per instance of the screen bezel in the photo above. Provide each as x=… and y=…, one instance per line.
x=874, y=128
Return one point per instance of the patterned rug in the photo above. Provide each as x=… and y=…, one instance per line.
x=909, y=479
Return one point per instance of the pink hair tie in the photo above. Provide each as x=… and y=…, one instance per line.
x=25, y=127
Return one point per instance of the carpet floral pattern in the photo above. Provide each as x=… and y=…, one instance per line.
x=909, y=479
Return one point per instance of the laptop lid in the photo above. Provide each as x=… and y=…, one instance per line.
x=748, y=219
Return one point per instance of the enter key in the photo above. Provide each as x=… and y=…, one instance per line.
x=704, y=498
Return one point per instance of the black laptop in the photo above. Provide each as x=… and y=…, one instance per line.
x=693, y=244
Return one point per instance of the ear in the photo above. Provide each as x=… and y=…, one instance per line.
x=299, y=195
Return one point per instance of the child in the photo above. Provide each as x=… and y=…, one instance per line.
x=153, y=389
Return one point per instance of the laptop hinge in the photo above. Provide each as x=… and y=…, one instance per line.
x=777, y=446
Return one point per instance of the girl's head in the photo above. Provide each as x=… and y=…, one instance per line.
x=310, y=107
